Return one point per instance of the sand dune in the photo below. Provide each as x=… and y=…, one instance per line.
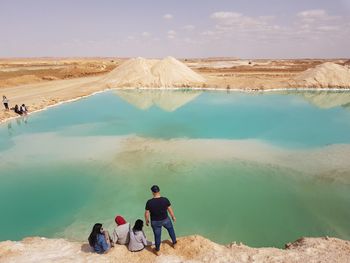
x=326, y=75
x=140, y=72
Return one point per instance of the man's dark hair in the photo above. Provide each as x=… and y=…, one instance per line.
x=155, y=189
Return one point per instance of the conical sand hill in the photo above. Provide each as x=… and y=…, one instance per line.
x=140, y=72
x=326, y=75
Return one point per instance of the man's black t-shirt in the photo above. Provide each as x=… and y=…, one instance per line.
x=158, y=208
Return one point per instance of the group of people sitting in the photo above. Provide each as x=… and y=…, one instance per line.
x=21, y=110
x=123, y=234
x=157, y=208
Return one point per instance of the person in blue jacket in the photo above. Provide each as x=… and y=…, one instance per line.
x=99, y=239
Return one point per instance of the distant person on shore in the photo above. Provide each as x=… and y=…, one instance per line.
x=138, y=240
x=121, y=232
x=5, y=101
x=99, y=239
x=24, y=109
x=158, y=207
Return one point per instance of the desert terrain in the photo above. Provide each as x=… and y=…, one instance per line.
x=219, y=72
x=43, y=82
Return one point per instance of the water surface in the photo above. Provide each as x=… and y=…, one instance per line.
x=226, y=162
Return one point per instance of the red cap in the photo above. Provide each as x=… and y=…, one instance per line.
x=120, y=220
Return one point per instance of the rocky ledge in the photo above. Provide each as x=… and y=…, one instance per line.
x=189, y=249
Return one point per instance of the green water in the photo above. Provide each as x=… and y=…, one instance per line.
x=64, y=169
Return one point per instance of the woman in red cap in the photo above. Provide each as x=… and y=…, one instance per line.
x=121, y=232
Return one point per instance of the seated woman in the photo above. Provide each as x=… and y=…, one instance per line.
x=99, y=239
x=121, y=232
x=24, y=109
x=138, y=239
x=17, y=110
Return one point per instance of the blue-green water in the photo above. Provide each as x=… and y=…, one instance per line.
x=65, y=168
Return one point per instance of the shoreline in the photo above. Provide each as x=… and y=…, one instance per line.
x=192, y=249
x=253, y=90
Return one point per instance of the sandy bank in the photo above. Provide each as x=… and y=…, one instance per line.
x=190, y=249
x=43, y=95
x=259, y=76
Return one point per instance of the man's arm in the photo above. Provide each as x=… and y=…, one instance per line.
x=147, y=217
x=171, y=212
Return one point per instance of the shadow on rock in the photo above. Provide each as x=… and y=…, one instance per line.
x=86, y=248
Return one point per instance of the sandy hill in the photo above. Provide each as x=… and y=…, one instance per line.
x=167, y=101
x=192, y=249
x=141, y=72
x=326, y=75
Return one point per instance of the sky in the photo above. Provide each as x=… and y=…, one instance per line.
x=179, y=28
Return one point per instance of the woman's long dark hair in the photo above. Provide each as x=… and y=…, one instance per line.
x=138, y=225
x=93, y=236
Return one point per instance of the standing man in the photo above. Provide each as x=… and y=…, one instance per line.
x=159, y=207
x=5, y=101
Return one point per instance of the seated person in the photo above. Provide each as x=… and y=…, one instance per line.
x=24, y=109
x=121, y=232
x=138, y=239
x=99, y=239
x=17, y=110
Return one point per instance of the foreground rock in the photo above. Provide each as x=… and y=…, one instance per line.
x=326, y=75
x=190, y=249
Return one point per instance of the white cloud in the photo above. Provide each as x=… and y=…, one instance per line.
x=189, y=27
x=317, y=22
x=171, y=34
x=225, y=15
x=232, y=21
x=328, y=28
x=208, y=33
x=308, y=24
x=316, y=16
x=168, y=16
x=315, y=13
x=146, y=34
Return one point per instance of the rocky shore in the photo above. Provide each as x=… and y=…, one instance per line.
x=190, y=249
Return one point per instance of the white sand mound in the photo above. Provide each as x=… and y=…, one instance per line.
x=141, y=72
x=326, y=75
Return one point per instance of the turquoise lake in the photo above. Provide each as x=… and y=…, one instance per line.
x=262, y=169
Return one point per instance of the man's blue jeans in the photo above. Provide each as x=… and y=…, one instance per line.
x=157, y=231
